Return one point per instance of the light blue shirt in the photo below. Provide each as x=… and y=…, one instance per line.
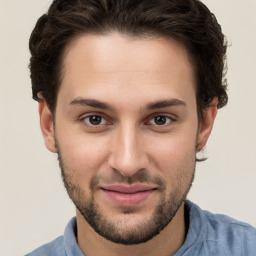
x=208, y=235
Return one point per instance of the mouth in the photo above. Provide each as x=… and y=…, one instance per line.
x=128, y=195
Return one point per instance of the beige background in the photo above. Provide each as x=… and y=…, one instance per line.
x=34, y=205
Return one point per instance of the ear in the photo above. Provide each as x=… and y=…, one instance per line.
x=46, y=124
x=205, y=127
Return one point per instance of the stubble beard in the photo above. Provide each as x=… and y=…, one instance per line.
x=118, y=231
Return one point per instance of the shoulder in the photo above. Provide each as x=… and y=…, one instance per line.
x=232, y=232
x=54, y=248
x=230, y=236
x=61, y=246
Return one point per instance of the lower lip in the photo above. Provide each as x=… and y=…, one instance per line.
x=125, y=199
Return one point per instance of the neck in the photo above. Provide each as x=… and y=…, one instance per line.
x=166, y=243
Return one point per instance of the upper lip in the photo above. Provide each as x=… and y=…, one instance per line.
x=129, y=189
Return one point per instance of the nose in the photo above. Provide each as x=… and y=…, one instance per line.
x=128, y=152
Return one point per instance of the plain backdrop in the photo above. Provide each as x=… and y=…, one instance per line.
x=34, y=205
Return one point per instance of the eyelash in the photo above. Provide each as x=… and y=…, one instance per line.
x=171, y=120
x=83, y=119
x=162, y=116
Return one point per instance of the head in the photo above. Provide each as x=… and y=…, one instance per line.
x=187, y=21
x=128, y=92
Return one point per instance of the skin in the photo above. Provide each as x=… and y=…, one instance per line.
x=128, y=74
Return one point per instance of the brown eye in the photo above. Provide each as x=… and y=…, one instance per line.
x=95, y=120
x=161, y=120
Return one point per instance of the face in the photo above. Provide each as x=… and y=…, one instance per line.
x=126, y=131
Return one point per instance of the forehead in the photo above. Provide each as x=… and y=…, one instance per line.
x=117, y=64
x=116, y=52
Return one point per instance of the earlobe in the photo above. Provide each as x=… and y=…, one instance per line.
x=46, y=124
x=206, y=125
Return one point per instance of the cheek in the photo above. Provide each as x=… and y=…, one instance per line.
x=176, y=163
x=173, y=154
x=83, y=155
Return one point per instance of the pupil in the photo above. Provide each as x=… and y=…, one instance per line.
x=95, y=120
x=160, y=120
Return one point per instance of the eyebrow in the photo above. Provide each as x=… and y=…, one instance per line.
x=91, y=103
x=165, y=103
x=102, y=105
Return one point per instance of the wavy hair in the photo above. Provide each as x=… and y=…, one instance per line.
x=187, y=21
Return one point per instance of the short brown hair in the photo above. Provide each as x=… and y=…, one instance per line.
x=188, y=21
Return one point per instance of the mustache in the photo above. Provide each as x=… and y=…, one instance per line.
x=140, y=176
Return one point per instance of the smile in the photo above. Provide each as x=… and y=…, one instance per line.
x=128, y=195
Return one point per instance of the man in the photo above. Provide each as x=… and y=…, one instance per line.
x=128, y=92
